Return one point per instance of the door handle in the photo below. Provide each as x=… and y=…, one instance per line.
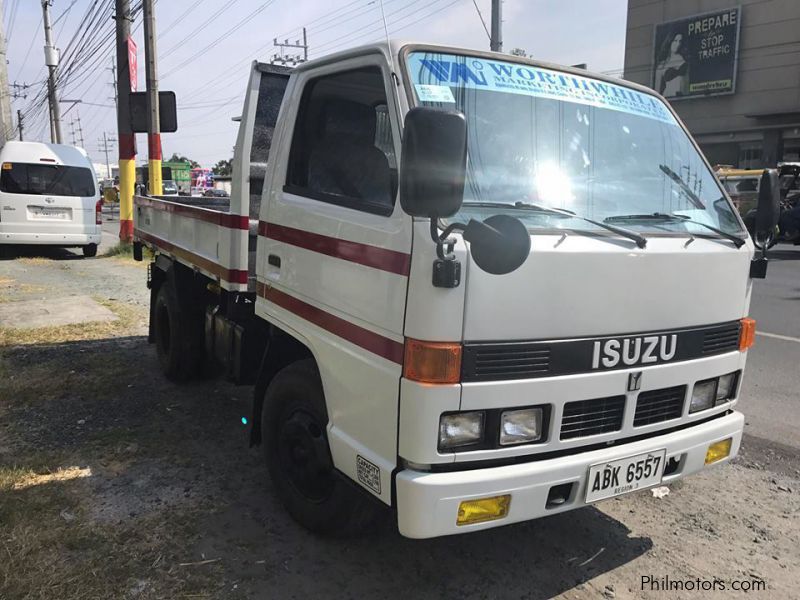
x=274, y=260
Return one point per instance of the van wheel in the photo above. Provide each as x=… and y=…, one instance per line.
x=90, y=250
x=293, y=423
x=177, y=344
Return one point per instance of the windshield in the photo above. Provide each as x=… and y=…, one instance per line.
x=548, y=138
x=46, y=180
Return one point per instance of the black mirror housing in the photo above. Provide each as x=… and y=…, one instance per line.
x=769, y=204
x=433, y=162
x=498, y=245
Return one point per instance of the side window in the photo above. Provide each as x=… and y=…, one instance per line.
x=342, y=150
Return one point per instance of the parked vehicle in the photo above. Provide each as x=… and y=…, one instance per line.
x=742, y=187
x=215, y=193
x=49, y=195
x=474, y=287
x=788, y=227
x=169, y=188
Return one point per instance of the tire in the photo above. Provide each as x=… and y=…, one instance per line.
x=178, y=341
x=90, y=250
x=295, y=441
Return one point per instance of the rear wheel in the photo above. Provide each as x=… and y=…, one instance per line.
x=294, y=422
x=178, y=343
x=90, y=250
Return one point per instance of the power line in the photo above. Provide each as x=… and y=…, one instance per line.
x=222, y=37
x=480, y=16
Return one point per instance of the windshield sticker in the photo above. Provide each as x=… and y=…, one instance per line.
x=434, y=93
x=430, y=70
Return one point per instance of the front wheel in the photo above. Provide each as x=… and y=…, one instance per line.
x=294, y=422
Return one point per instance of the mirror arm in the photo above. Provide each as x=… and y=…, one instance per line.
x=444, y=243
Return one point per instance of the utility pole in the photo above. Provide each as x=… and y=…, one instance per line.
x=153, y=123
x=51, y=60
x=114, y=80
x=125, y=135
x=72, y=130
x=19, y=124
x=496, y=44
x=104, y=148
x=297, y=45
x=5, y=95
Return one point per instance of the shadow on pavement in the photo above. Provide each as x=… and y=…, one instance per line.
x=11, y=252
x=159, y=451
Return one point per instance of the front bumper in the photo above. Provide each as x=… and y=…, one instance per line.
x=427, y=503
x=51, y=239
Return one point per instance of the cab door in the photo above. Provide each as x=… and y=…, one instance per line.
x=334, y=253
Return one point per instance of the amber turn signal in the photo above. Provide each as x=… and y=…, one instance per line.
x=432, y=362
x=747, y=334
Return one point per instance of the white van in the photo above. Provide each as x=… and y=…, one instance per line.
x=49, y=195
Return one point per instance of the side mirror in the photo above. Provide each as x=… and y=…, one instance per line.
x=433, y=162
x=769, y=206
x=498, y=245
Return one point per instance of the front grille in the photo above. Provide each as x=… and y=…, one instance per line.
x=656, y=406
x=590, y=417
x=493, y=362
x=724, y=338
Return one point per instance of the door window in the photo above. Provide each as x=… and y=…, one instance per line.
x=342, y=150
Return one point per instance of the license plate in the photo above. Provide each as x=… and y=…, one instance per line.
x=617, y=477
x=45, y=212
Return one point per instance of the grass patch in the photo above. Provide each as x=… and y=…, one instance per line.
x=121, y=250
x=130, y=319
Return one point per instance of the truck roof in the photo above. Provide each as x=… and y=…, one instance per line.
x=391, y=50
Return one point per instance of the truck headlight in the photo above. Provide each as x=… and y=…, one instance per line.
x=703, y=395
x=520, y=426
x=460, y=429
x=726, y=387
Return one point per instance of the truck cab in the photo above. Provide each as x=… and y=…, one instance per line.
x=473, y=287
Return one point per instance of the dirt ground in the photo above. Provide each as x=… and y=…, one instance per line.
x=115, y=483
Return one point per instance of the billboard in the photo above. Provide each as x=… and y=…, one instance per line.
x=697, y=56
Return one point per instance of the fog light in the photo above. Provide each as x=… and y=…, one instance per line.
x=520, y=426
x=725, y=387
x=703, y=395
x=483, y=509
x=718, y=450
x=460, y=429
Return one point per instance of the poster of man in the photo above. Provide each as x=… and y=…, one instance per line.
x=697, y=56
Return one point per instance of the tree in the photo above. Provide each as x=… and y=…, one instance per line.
x=177, y=158
x=223, y=168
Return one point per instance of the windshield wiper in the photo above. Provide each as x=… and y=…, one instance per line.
x=672, y=217
x=695, y=199
x=640, y=240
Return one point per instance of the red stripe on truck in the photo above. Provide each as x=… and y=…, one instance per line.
x=364, y=254
x=226, y=220
x=230, y=275
x=369, y=340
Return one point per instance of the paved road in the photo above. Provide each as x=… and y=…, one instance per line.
x=771, y=392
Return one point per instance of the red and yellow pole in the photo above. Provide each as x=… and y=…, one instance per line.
x=126, y=79
x=127, y=181
x=155, y=185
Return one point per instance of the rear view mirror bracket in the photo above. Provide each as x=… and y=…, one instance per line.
x=446, y=269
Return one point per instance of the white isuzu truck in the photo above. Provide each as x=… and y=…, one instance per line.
x=468, y=286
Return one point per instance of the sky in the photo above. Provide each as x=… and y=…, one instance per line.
x=205, y=48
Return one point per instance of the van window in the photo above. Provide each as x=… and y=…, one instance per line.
x=342, y=150
x=46, y=180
